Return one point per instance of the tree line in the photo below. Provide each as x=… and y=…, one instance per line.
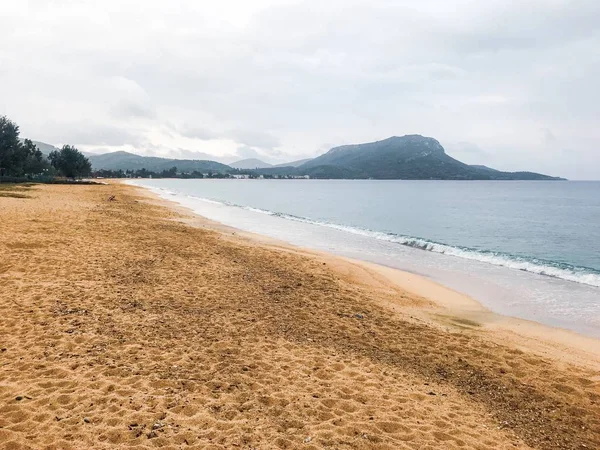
x=167, y=173
x=22, y=159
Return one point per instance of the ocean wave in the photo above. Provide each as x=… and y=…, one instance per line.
x=564, y=271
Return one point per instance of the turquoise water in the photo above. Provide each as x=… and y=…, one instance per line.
x=478, y=237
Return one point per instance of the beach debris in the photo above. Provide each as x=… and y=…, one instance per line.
x=112, y=198
x=19, y=398
x=307, y=440
x=359, y=316
x=139, y=430
x=431, y=393
x=86, y=420
x=158, y=425
x=152, y=435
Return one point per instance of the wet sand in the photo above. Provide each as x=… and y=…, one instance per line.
x=131, y=324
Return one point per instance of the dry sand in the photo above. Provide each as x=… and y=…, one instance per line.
x=124, y=327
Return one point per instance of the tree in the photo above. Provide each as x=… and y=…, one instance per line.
x=18, y=159
x=34, y=161
x=170, y=173
x=70, y=162
x=10, y=148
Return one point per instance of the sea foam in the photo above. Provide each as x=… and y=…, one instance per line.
x=564, y=271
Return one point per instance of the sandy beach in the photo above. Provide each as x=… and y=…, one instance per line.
x=130, y=323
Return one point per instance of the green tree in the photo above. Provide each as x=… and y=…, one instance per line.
x=34, y=161
x=70, y=162
x=170, y=173
x=18, y=159
x=11, y=163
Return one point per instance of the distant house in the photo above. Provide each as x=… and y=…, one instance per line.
x=240, y=177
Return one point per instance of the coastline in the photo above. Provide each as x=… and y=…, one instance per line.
x=126, y=326
x=447, y=307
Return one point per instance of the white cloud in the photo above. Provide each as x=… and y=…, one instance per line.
x=290, y=78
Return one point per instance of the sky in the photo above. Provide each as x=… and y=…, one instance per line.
x=510, y=84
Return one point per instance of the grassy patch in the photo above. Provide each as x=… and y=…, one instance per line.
x=14, y=195
x=15, y=190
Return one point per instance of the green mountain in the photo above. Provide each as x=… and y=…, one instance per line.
x=411, y=157
x=293, y=163
x=130, y=161
x=45, y=148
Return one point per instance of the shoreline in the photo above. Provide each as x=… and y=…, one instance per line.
x=452, y=309
x=130, y=323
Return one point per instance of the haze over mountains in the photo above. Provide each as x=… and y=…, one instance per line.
x=411, y=157
x=130, y=161
x=254, y=163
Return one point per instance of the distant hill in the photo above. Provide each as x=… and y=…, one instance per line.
x=130, y=161
x=44, y=148
x=293, y=163
x=411, y=157
x=479, y=166
x=250, y=163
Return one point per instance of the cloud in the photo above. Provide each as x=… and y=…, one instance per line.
x=88, y=134
x=469, y=147
x=548, y=137
x=249, y=138
x=124, y=109
x=198, y=132
x=282, y=78
x=254, y=139
x=469, y=153
x=245, y=152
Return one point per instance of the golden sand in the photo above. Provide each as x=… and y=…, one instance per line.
x=125, y=327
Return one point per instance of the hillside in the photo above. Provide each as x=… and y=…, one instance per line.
x=411, y=157
x=250, y=163
x=43, y=147
x=293, y=163
x=129, y=161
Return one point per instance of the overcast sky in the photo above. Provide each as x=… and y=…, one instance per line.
x=511, y=84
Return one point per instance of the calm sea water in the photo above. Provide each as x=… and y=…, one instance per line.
x=527, y=249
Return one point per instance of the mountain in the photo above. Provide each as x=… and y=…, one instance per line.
x=411, y=157
x=130, y=161
x=250, y=163
x=44, y=148
x=293, y=163
x=484, y=168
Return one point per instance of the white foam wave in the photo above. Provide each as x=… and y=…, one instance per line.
x=548, y=268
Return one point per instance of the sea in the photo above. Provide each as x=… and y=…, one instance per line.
x=527, y=249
